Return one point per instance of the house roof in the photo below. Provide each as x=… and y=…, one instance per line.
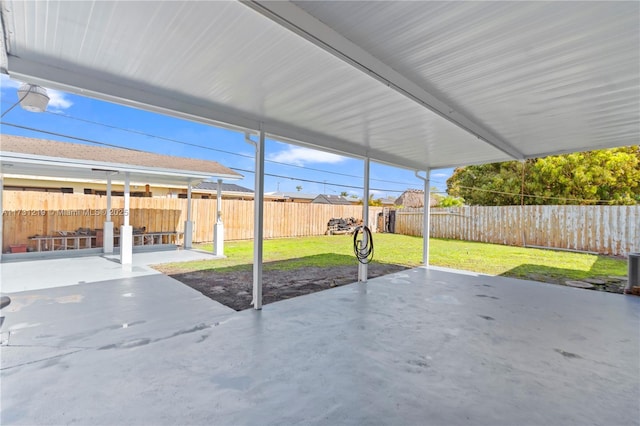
x=331, y=199
x=38, y=157
x=415, y=84
x=226, y=187
x=292, y=195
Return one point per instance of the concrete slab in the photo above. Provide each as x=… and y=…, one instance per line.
x=50, y=273
x=412, y=348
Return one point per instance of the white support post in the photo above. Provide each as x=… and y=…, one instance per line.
x=218, y=229
x=107, y=231
x=363, y=268
x=126, y=231
x=426, y=217
x=188, y=225
x=258, y=226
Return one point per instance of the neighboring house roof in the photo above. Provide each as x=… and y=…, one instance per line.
x=226, y=187
x=292, y=195
x=388, y=201
x=77, y=151
x=414, y=198
x=331, y=199
x=30, y=156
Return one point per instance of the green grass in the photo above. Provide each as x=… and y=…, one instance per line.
x=292, y=253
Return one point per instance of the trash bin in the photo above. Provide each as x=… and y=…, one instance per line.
x=634, y=271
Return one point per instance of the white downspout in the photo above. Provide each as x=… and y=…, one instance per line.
x=426, y=217
x=258, y=225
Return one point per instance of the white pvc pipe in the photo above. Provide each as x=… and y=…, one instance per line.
x=258, y=226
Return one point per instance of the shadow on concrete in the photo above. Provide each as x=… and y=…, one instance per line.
x=554, y=275
x=233, y=286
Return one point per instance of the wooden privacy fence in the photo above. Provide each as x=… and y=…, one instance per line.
x=613, y=230
x=26, y=214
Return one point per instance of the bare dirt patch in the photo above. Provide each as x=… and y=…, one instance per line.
x=234, y=288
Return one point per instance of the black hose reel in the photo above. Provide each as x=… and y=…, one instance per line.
x=363, y=248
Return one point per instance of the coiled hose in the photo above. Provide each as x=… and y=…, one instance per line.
x=364, y=254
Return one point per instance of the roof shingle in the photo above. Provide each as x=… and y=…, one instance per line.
x=48, y=148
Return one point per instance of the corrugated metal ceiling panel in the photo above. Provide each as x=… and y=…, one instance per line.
x=546, y=76
x=521, y=71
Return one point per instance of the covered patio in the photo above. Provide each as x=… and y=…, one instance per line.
x=33, y=158
x=419, y=85
x=424, y=346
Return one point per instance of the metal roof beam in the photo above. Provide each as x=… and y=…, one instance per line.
x=305, y=25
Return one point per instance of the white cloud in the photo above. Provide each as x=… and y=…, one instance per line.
x=58, y=100
x=441, y=175
x=300, y=156
x=7, y=83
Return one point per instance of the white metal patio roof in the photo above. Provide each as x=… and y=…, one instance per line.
x=415, y=84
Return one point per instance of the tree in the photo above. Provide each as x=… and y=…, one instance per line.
x=372, y=202
x=299, y=188
x=344, y=193
x=609, y=176
x=450, y=201
x=445, y=201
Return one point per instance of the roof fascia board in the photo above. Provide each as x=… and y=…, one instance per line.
x=300, y=22
x=99, y=181
x=14, y=157
x=133, y=95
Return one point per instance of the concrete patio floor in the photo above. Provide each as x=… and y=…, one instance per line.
x=25, y=275
x=419, y=347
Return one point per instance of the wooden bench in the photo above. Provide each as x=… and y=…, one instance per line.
x=153, y=238
x=63, y=242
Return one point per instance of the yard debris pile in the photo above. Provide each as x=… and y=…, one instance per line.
x=338, y=226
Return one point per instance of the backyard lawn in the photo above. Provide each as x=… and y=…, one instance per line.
x=295, y=266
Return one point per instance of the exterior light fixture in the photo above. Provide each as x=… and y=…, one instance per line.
x=33, y=98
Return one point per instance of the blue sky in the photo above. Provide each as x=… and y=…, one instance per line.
x=86, y=118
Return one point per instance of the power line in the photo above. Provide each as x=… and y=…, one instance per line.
x=233, y=168
x=339, y=185
x=493, y=191
x=141, y=133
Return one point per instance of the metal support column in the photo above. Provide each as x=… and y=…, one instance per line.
x=126, y=231
x=363, y=268
x=188, y=225
x=426, y=217
x=258, y=226
x=107, y=231
x=218, y=228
